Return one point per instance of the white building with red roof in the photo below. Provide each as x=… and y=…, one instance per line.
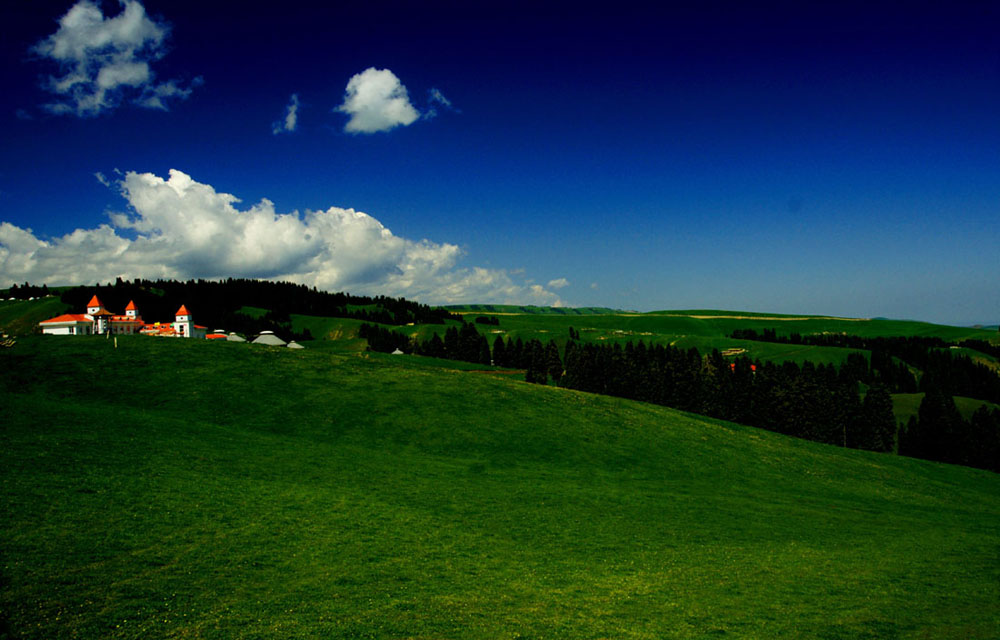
x=99, y=320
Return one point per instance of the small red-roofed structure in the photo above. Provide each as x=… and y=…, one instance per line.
x=68, y=324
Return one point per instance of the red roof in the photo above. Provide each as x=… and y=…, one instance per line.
x=131, y=305
x=217, y=336
x=67, y=317
x=182, y=311
x=94, y=302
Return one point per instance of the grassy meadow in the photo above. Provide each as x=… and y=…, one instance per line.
x=702, y=329
x=188, y=489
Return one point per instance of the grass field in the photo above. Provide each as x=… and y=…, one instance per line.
x=21, y=317
x=187, y=489
x=701, y=329
x=906, y=405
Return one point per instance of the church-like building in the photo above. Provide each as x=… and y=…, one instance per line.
x=98, y=321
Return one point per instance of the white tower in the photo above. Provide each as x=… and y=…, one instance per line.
x=183, y=324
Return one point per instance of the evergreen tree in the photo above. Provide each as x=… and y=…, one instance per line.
x=983, y=443
x=484, y=351
x=847, y=414
x=499, y=352
x=434, y=347
x=932, y=435
x=522, y=355
x=553, y=363
x=536, y=368
x=878, y=422
x=452, y=344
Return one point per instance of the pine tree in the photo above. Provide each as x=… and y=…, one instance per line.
x=536, y=362
x=878, y=422
x=553, y=363
x=499, y=352
x=452, y=346
x=933, y=434
x=484, y=351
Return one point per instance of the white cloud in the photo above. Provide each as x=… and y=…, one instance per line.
x=376, y=101
x=434, y=98
x=558, y=283
x=438, y=97
x=185, y=229
x=291, y=120
x=105, y=60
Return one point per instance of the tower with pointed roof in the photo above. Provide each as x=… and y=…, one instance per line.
x=183, y=323
x=131, y=311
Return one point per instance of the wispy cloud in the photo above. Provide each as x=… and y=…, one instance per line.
x=106, y=60
x=558, y=283
x=435, y=99
x=180, y=228
x=291, y=120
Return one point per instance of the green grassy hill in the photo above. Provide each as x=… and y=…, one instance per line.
x=21, y=317
x=187, y=489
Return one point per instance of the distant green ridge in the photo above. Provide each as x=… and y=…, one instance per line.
x=530, y=309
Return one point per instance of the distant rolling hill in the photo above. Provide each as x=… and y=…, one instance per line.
x=177, y=488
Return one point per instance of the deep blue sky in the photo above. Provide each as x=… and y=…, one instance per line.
x=830, y=158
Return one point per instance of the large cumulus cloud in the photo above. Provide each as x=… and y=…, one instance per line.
x=180, y=228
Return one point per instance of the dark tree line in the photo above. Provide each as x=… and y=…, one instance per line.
x=463, y=343
x=218, y=303
x=384, y=340
x=815, y=402
x=938, y=432
x=214, y=296
x=27, y=291
x=954, y=374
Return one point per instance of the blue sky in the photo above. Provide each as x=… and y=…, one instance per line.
x=839, y=158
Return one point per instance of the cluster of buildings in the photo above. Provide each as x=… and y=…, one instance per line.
x=100, y=321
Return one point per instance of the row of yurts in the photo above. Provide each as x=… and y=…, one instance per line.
x=98, y=321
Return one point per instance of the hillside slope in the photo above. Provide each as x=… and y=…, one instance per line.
x=172, y=488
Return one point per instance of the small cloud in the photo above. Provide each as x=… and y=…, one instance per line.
x=594, y=286
x=558, y=283
x=376, y=101
x=438, y=97
x=105, y=60
x=100, y=178
x=22, y=114
x=435, y=98
x=291, y=120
